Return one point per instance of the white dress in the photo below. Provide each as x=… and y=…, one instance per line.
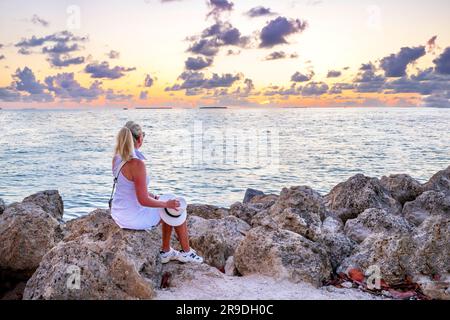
x=126, y=210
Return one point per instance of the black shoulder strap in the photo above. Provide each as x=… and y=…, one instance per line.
x=116, y=178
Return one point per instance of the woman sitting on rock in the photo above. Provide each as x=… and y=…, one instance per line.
x=133, y=207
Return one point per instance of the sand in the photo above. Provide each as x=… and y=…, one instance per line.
x=256, y=287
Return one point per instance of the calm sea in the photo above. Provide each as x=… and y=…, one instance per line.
x=212, y=156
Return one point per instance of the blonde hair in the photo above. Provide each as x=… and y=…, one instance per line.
x=124, y=144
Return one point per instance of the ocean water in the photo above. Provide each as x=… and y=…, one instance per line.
x=212, y=156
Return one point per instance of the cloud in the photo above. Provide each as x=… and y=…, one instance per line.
x=143, y=95
x=198, y=63
x=113, y=54
x=218, y=35
x=277, y=55
x=103, y=71
x=395, y=65
x=39, y=21
x=259, y=11
x=193, y=80
x=63, y=36
x=281, y=91
x=367, y=66
x=300, y=77
x=148, y=81
x=59, y=60
x=9, y=95
x=61, y=43
x=314, y=89
x=117, y=96
x=61, y=47
x=431, y=44
x=334, y=74
x=368, y=81
x=24, y=80
x=219, y=6
x=276, y=31
x=65, y=87
x=338, y=88
x=442, y=63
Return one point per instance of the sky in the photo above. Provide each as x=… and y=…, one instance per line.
x=190, y=53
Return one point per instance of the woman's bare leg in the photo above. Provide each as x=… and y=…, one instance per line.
x=183, y=237
x=166, y=234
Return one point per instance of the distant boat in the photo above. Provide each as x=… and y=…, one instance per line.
x=213, y=108
x=125, y=108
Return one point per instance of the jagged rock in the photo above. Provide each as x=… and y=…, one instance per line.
x=375, y=221
x=50, y=201
x=189, y=274
x=398, y=255
x=303, y=200
x=338, y=246
x=439, y=182
x=244, y=212
x=27, y=232
x=350, y=198
x=112, y=263
x=282, y=254
x=207, y=211
x=298, y=209
x=428, y=204
x=230, y=267
x=2, y=206
x=390, y=253
x=335, y=242
x=250, y=193
x=264, y=201
x=432, y=251
x=402, y=187
x=216, y=239
x=247, y=211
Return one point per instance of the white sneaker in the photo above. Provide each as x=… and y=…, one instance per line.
x=169, y=256
x=190, y=256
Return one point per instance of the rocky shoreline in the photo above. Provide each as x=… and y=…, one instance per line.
x=368, y=238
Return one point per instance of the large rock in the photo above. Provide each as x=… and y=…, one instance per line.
x=439, y=182
x=432, y=241
x=428, y=204
x=352, y=197
x=250, y=193
x=28, y=230
x=207, y=211
x=425, y=252
x=282, y=254
x=390, y=253
x=2, y=206
x=98, y=260
x=50, y=201
x=188, y=274
x=375, y=221
x=216, y=239
x=258, y=203
x=298, y=209
x=402, y=187
x=335, y=242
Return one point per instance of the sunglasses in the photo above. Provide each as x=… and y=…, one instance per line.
x=137, y=137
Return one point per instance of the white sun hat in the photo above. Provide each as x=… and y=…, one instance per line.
x=173, y=217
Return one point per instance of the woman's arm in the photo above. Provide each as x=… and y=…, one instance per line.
x=140, y=183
